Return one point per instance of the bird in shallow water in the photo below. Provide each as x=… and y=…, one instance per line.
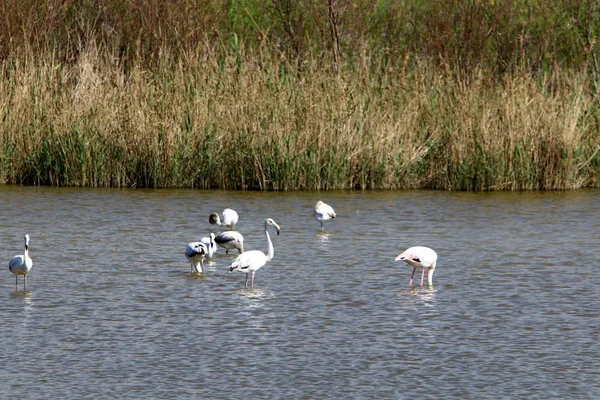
x=21, y=265
x=251, y=261
x=323, y=212
x=230, y=240
x=211, y=245
x=228, y=218
x=420, y=257
x=196, y=252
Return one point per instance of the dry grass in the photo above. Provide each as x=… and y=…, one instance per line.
x=280, y=95
x=233, y=119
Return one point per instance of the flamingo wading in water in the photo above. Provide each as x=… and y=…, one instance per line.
x=323, y=212
x=196, y=252
x=230, y=240
x=251, y=261
x=228, y=218
x=420, y=257
x=211, y=245
x=21, y=265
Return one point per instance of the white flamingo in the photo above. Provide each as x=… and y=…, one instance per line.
x=420, y=257
x=230, y=240
x=323, y=212
x=227, y=218
x=195, y=252
x=251, y=261
x=21, y=265
x=211, y=245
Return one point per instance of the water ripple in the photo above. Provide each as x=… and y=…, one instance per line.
x=113, y=311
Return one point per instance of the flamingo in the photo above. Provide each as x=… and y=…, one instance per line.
x=253, y=260
x=420, y=257
x=230, y=240
x=323, y=212
x=21, y=264
x=227, y=218
x=211, y=245
x=195, y=252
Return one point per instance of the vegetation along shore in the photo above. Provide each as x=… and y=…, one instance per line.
x=295, y=95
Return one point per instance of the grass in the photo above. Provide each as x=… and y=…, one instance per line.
x=270, y=110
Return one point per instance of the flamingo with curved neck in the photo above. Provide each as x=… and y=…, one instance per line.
x=420, y=257
x=196, y=252
x=228, y=217
x=251, y=261
x=211, y=245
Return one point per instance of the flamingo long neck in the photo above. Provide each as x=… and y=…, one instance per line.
x=198, y=267
x=430, y=272
x=271, y=252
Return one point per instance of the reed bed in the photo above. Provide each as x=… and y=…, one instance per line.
x=230, y=115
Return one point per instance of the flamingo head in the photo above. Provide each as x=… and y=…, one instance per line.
x=406, y=257
x=269, y=221
x=214, y=218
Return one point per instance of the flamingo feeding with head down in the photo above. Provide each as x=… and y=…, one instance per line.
x=420, y=257
x=21, y=265
x=323, y=212
x=228, y=218
x=230, y=240
x=196, y=252
x=251, y=261
x=211, y=245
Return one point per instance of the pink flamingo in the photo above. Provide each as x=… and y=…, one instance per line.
x=420, y=257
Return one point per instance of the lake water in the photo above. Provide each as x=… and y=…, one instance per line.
x=112, y=311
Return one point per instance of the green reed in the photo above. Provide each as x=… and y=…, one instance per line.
x=246, y=94
x=227, y=117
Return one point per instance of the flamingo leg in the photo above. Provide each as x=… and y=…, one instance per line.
x=321, y=226
x=422, y=276
x=16, y=282
x=246, y=282
x=25, y=282
x=253, y=279
x=411, y=277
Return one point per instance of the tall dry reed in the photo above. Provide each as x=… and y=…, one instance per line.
x=474, y=95
x=228, y=117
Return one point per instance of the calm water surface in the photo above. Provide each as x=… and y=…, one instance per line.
x=112, y=310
